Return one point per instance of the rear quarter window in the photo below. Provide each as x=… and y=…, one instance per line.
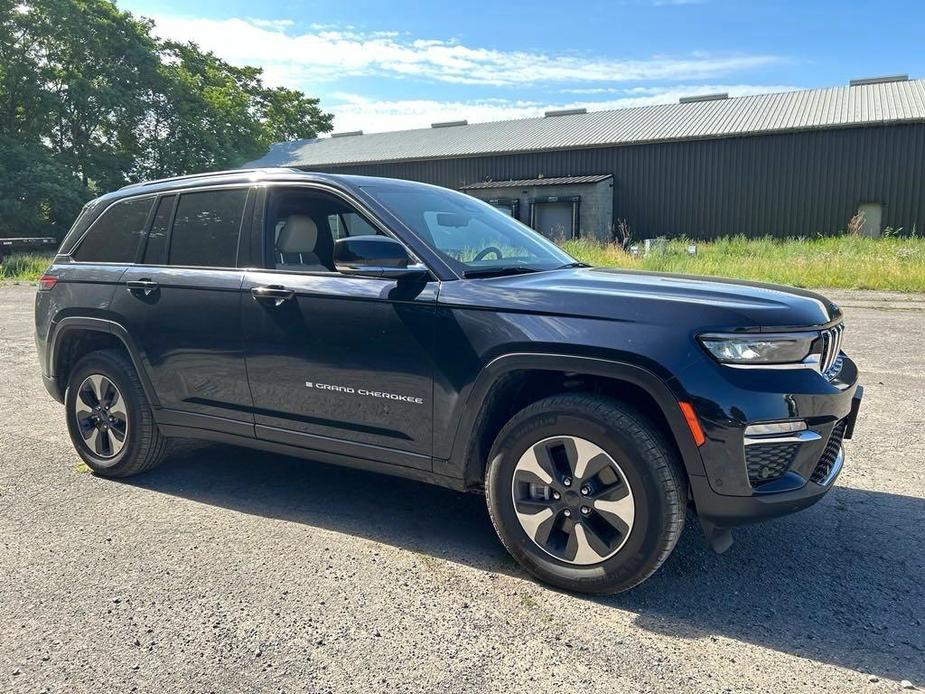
x=114, y=237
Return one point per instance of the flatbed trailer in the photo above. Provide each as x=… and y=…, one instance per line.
x=27, y=244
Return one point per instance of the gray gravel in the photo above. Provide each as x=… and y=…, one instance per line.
x=230, y=570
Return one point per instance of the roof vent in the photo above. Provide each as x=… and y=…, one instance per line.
x=703, y=97
x=878, y=80
x=566, y=112
x=347, y=134
x=449, y=124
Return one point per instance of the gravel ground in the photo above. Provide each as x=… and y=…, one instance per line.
x=230, y=570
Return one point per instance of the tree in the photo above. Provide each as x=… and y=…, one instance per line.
x=290, y=115
x=38, y=197
x=93, y=97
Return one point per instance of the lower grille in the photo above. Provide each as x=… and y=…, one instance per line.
x=830, y=455
x=769, y=461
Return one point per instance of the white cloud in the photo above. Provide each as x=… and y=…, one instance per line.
x=328, y=53
x=355, y=112
x=271, y=23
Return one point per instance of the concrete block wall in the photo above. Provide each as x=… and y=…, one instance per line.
x=595, y=211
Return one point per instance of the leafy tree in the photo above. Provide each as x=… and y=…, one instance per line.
x=38, y=197
x=91, y=100
x=290, y=115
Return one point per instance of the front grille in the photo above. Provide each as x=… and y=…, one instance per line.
x=827, y=461
x=830, y=363
x=769, y=461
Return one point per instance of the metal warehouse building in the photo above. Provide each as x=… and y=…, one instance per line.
x=784, y=164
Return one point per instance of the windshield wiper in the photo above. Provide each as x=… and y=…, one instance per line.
x=575, y=264
x=498, y=271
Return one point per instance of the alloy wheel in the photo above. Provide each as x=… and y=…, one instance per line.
x=573, y=500
x=101, y=415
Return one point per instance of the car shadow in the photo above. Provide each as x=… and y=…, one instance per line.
x=840, y=583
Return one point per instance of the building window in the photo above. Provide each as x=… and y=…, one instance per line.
x=510, y=206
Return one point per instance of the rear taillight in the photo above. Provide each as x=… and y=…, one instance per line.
x=47, y=282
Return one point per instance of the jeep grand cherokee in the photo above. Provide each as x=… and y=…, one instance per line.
x=409, y=329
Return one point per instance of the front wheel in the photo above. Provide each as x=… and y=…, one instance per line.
x=585, y=493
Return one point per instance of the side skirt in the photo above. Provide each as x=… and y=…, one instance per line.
x=173, y=430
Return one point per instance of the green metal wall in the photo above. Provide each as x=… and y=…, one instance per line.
x=791, y=184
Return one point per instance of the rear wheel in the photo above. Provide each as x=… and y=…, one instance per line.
x=109, y=419
x=585, y=493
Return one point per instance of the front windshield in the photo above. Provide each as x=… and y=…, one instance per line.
x=472, y=236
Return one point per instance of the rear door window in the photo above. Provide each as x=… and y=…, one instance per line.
x=114, y=237
x=206, y=228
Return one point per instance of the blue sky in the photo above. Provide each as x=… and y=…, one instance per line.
x=392, y=65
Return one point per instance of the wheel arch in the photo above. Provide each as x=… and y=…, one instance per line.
x=75, y=336
x=513, y=381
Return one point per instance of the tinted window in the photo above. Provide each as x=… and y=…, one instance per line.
x=156, y=249
x=206, y=227
x=114, y=237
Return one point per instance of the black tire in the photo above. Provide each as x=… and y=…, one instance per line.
x=649, y=467
x=143, y=445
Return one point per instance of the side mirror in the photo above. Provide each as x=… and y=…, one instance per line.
x=375, y=256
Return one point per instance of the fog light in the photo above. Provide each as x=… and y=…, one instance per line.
x=772, y=428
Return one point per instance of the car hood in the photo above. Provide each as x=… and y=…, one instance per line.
x=649, y=297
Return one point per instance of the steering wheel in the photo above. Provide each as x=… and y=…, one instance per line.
x=485, y=251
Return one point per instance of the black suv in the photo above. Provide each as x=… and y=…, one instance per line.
x=409, y=329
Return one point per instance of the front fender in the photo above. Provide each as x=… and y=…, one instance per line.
x=480, y=394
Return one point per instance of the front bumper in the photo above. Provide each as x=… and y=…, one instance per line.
x=728, y=495
x=730, y=511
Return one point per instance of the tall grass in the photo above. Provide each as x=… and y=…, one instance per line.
x=849, y=262
x=26, y=267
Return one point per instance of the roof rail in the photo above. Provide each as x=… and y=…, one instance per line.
x=350, y=133
x=703, y=97
x=449, y=124
x=878, y=80
x=565, y=112
x=207, y=174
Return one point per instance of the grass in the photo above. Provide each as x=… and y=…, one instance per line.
x=846, y=262
x=24, y=267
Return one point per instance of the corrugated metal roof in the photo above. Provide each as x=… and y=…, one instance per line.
x=530, y=182
x=811, y=109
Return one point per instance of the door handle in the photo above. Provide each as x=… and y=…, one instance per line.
x=272, y=292
x=145, y=285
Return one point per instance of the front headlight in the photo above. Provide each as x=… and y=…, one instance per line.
x=755, y=348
